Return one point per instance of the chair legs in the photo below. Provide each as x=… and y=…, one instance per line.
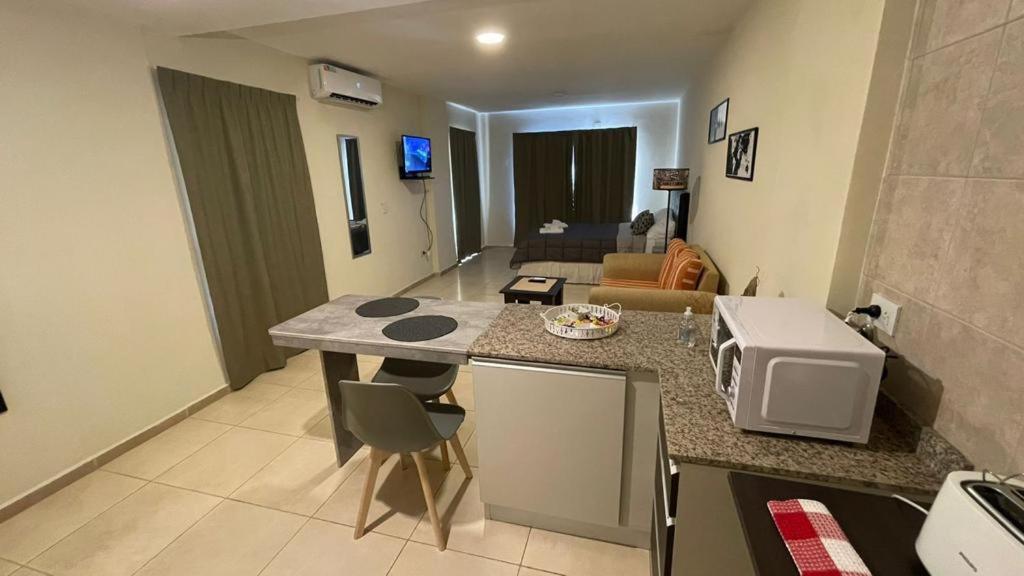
x=446, y=460
x=461, y=455
x=376, y=457
x=428, y=495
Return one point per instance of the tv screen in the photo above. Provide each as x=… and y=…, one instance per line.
x=415, y=155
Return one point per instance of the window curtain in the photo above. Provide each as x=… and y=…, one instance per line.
x=605, y=171
x=466, y=191
x=542, y=176
x=249, y=191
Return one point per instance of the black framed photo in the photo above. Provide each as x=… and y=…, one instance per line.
x=717, y=122
x=739, y=163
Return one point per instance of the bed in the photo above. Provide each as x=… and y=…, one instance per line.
x=577, y=253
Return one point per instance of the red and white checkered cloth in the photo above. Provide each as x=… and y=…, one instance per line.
x=818, y=545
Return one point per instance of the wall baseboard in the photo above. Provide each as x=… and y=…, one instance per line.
x=97, y=461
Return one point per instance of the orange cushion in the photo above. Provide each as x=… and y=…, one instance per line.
x=628, y=283
x=675, y=246
x=686, y=273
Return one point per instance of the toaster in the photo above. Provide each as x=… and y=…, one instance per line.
x=975, y=527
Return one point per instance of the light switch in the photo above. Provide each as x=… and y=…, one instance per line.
x=890, y=313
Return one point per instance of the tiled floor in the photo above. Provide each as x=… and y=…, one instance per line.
x=248, y=486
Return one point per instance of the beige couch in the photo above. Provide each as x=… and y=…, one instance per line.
x=646, y=267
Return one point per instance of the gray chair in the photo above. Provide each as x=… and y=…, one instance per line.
x=427, y=380
x=391, y=420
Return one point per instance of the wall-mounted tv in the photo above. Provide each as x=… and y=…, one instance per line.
x=415, y=157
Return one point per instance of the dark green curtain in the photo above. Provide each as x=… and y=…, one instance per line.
x=248, y=187
x=466, y=191
x=605, y=171
x=541, y=171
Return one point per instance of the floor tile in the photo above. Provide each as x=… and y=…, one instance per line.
x=315, y=381
x=326, y=549
x=462, y=516
x=524, y=571
x=573, y=556
x=423, y=560
x=294, y=413
x=300, y=479
x=307, y=362
x=321, y=430
x=288, y=376
x=241, y=404
x=122, y=539
x=7, y=567
x=226, y=463
x=155, y=456
x=28, y=534
x=28, y=572
x=235, y=539
x=397, y=501
x=472, y=451
x=464, y=392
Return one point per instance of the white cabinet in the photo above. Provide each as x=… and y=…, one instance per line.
x=550, y=439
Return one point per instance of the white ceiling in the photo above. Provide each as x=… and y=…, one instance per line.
x=186, y=17
x=557, y=52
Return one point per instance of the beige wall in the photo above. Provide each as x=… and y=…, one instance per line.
x=947, y=237
x=800, y=70
x=105, y=328
x=397, y=235
x=656, y=147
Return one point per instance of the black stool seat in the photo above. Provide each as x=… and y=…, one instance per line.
x=426, y=380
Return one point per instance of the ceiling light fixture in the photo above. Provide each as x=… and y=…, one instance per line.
x=490, y=38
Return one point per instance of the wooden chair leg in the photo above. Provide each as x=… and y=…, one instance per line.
x=461, y=455
x=446, y=461
x=376, y=457
x=428, y=495
x=450, y=396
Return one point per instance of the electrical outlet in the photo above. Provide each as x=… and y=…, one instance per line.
x=890, y=313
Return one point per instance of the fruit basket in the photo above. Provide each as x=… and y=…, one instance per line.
x=582, y=321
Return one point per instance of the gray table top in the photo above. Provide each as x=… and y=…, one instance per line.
x=335, y=327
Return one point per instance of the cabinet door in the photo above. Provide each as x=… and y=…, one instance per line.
x=550, y=439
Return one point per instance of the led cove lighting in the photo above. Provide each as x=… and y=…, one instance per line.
x=490, y=37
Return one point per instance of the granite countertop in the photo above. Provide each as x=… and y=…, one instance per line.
x=899, y=456
x=336, y=327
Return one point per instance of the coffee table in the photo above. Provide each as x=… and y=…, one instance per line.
x=519, y=291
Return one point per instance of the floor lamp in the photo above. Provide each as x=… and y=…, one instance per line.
x=669, y=180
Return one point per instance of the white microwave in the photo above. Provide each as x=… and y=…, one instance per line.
x=787, y=366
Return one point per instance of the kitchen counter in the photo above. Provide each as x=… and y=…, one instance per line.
x=900, y=456
x=335, y=327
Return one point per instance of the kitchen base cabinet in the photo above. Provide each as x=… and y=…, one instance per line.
x=567, y=449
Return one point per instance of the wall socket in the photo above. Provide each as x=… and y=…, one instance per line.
x=890, y=313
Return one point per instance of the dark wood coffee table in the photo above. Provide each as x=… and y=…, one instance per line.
x=552, y=296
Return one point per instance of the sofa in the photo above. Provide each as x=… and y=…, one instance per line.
x=643, y=271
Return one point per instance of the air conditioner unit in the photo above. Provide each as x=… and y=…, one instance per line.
x=339, y=86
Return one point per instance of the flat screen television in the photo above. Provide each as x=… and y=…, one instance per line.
x=416, y=157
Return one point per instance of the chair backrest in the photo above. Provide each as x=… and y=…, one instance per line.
x=387, y=416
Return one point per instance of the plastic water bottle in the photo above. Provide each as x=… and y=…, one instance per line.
x=688, y=329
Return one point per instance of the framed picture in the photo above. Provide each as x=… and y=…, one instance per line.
x=739, y=163
x=718, y=121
